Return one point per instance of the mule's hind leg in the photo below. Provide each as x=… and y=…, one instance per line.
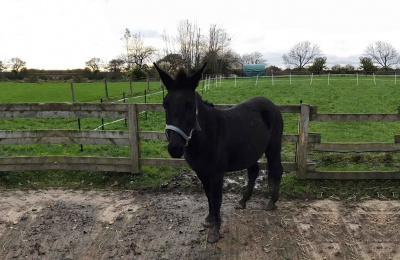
x=252, y=172
x=275, y=171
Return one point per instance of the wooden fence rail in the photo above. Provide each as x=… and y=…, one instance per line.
x=306, y=142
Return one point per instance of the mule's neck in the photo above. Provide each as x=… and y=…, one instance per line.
x=206, y=118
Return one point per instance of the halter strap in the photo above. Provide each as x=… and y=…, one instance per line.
x=179, y=131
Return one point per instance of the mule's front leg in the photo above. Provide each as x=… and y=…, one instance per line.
x=209, y=221
x=216, y=182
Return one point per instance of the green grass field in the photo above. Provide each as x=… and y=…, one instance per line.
x=342, y=95
x=61, y=92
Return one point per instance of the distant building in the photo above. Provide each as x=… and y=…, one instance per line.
x=254, y=70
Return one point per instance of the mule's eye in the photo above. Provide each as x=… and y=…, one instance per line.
x=189, y=105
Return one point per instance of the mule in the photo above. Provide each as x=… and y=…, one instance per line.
x=215, y=141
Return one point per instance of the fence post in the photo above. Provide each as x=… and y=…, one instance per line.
x=123, y=94
x=105, y=85
x=102, y=119
x=130, y=85
x=145, y=101
x=134, y=141
x=148, y=84
x=72, y=92
x=302, y=144
x=73, y=100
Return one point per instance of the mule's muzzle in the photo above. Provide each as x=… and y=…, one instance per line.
x=176, y=150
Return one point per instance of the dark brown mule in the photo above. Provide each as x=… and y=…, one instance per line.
x=215, y=141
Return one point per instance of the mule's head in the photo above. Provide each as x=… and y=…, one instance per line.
x=180, y=108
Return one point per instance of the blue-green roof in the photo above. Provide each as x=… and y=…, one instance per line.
x=253, y=70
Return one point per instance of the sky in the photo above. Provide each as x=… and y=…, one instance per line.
x=63, y=34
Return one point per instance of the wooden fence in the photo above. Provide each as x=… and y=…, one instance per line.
x=307, y=115
x=306, y=141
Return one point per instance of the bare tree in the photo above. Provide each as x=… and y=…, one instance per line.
x=253, y=58
x=218, y=41
x=127, y=57
x=16, y=64
x=170, y=43
x=94, y=64
x=137, y=52
x=382, y=53
x=301, y=54
x=190, y=42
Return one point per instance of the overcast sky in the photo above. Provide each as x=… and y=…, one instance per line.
x=57, y=34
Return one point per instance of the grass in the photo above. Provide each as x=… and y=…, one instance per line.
x=342, y=95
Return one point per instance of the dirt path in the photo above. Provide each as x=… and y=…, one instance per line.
x=66, y=224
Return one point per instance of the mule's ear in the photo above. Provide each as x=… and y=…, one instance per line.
x=165, y=78
x=197, y=75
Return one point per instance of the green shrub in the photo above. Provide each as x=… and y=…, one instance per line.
x=136, y=74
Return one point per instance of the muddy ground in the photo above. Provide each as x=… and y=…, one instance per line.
x=68, y=224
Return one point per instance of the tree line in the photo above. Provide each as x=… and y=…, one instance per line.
x=191, y=46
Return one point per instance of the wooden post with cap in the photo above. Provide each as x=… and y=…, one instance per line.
x=134, y=141
x=302, y=145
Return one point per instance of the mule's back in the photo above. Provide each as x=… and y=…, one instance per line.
x=248, y=130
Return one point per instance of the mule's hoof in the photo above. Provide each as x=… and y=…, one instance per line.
x=208, y=224
x=213, y=236
x=209, y=221
x=240, y=205
x=271, y=206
